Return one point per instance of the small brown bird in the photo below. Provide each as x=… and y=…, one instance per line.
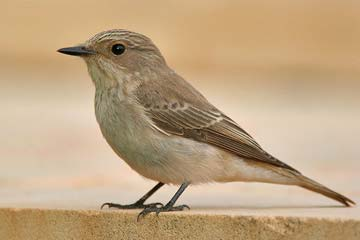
x=166, y=130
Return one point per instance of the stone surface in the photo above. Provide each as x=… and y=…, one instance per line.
x=38, y=224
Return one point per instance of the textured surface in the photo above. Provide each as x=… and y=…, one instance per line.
x=72, y=224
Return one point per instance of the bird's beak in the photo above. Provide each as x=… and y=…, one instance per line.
x=76, y=51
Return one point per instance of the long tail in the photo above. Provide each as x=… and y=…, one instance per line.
x=311, y=185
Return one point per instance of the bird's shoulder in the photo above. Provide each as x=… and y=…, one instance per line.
x=169, y=90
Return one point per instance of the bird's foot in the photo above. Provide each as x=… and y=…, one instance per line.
x=158, y=210
x=137, y=205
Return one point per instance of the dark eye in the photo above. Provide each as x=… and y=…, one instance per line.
x=118, y=49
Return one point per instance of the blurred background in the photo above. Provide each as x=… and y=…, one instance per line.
x=286, y=71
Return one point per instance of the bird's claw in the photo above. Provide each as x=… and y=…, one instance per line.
x=107, y=204
x=158, y=210
x=132, y=206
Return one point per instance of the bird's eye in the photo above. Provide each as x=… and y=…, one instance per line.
x=118, y=49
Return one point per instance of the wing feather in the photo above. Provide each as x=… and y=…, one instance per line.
x=211, y=127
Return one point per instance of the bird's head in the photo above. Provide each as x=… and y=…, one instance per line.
x=118, y=55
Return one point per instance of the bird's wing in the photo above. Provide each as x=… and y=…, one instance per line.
x=190, y=115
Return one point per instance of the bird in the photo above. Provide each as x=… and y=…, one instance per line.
x=166, y=130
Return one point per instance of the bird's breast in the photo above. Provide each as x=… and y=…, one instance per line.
x=125, y=127
x=120, y=122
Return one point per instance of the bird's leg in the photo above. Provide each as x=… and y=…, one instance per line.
x=139, y=203
x=169, y=206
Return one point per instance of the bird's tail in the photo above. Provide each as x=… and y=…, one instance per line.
x=311, y=185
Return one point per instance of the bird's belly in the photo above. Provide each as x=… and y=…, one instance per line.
x=168, y=159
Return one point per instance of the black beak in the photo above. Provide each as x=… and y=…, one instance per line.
x=76, y=51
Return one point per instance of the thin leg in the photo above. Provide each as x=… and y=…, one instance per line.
x=169, y=206
x=139, y=203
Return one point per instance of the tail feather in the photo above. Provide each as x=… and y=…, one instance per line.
x=311, y=185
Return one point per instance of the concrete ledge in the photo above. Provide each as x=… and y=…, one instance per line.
x=90, y=224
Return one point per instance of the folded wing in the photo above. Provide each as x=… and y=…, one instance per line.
x=212, y=127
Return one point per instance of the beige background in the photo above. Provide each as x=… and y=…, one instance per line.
x=287, y=71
